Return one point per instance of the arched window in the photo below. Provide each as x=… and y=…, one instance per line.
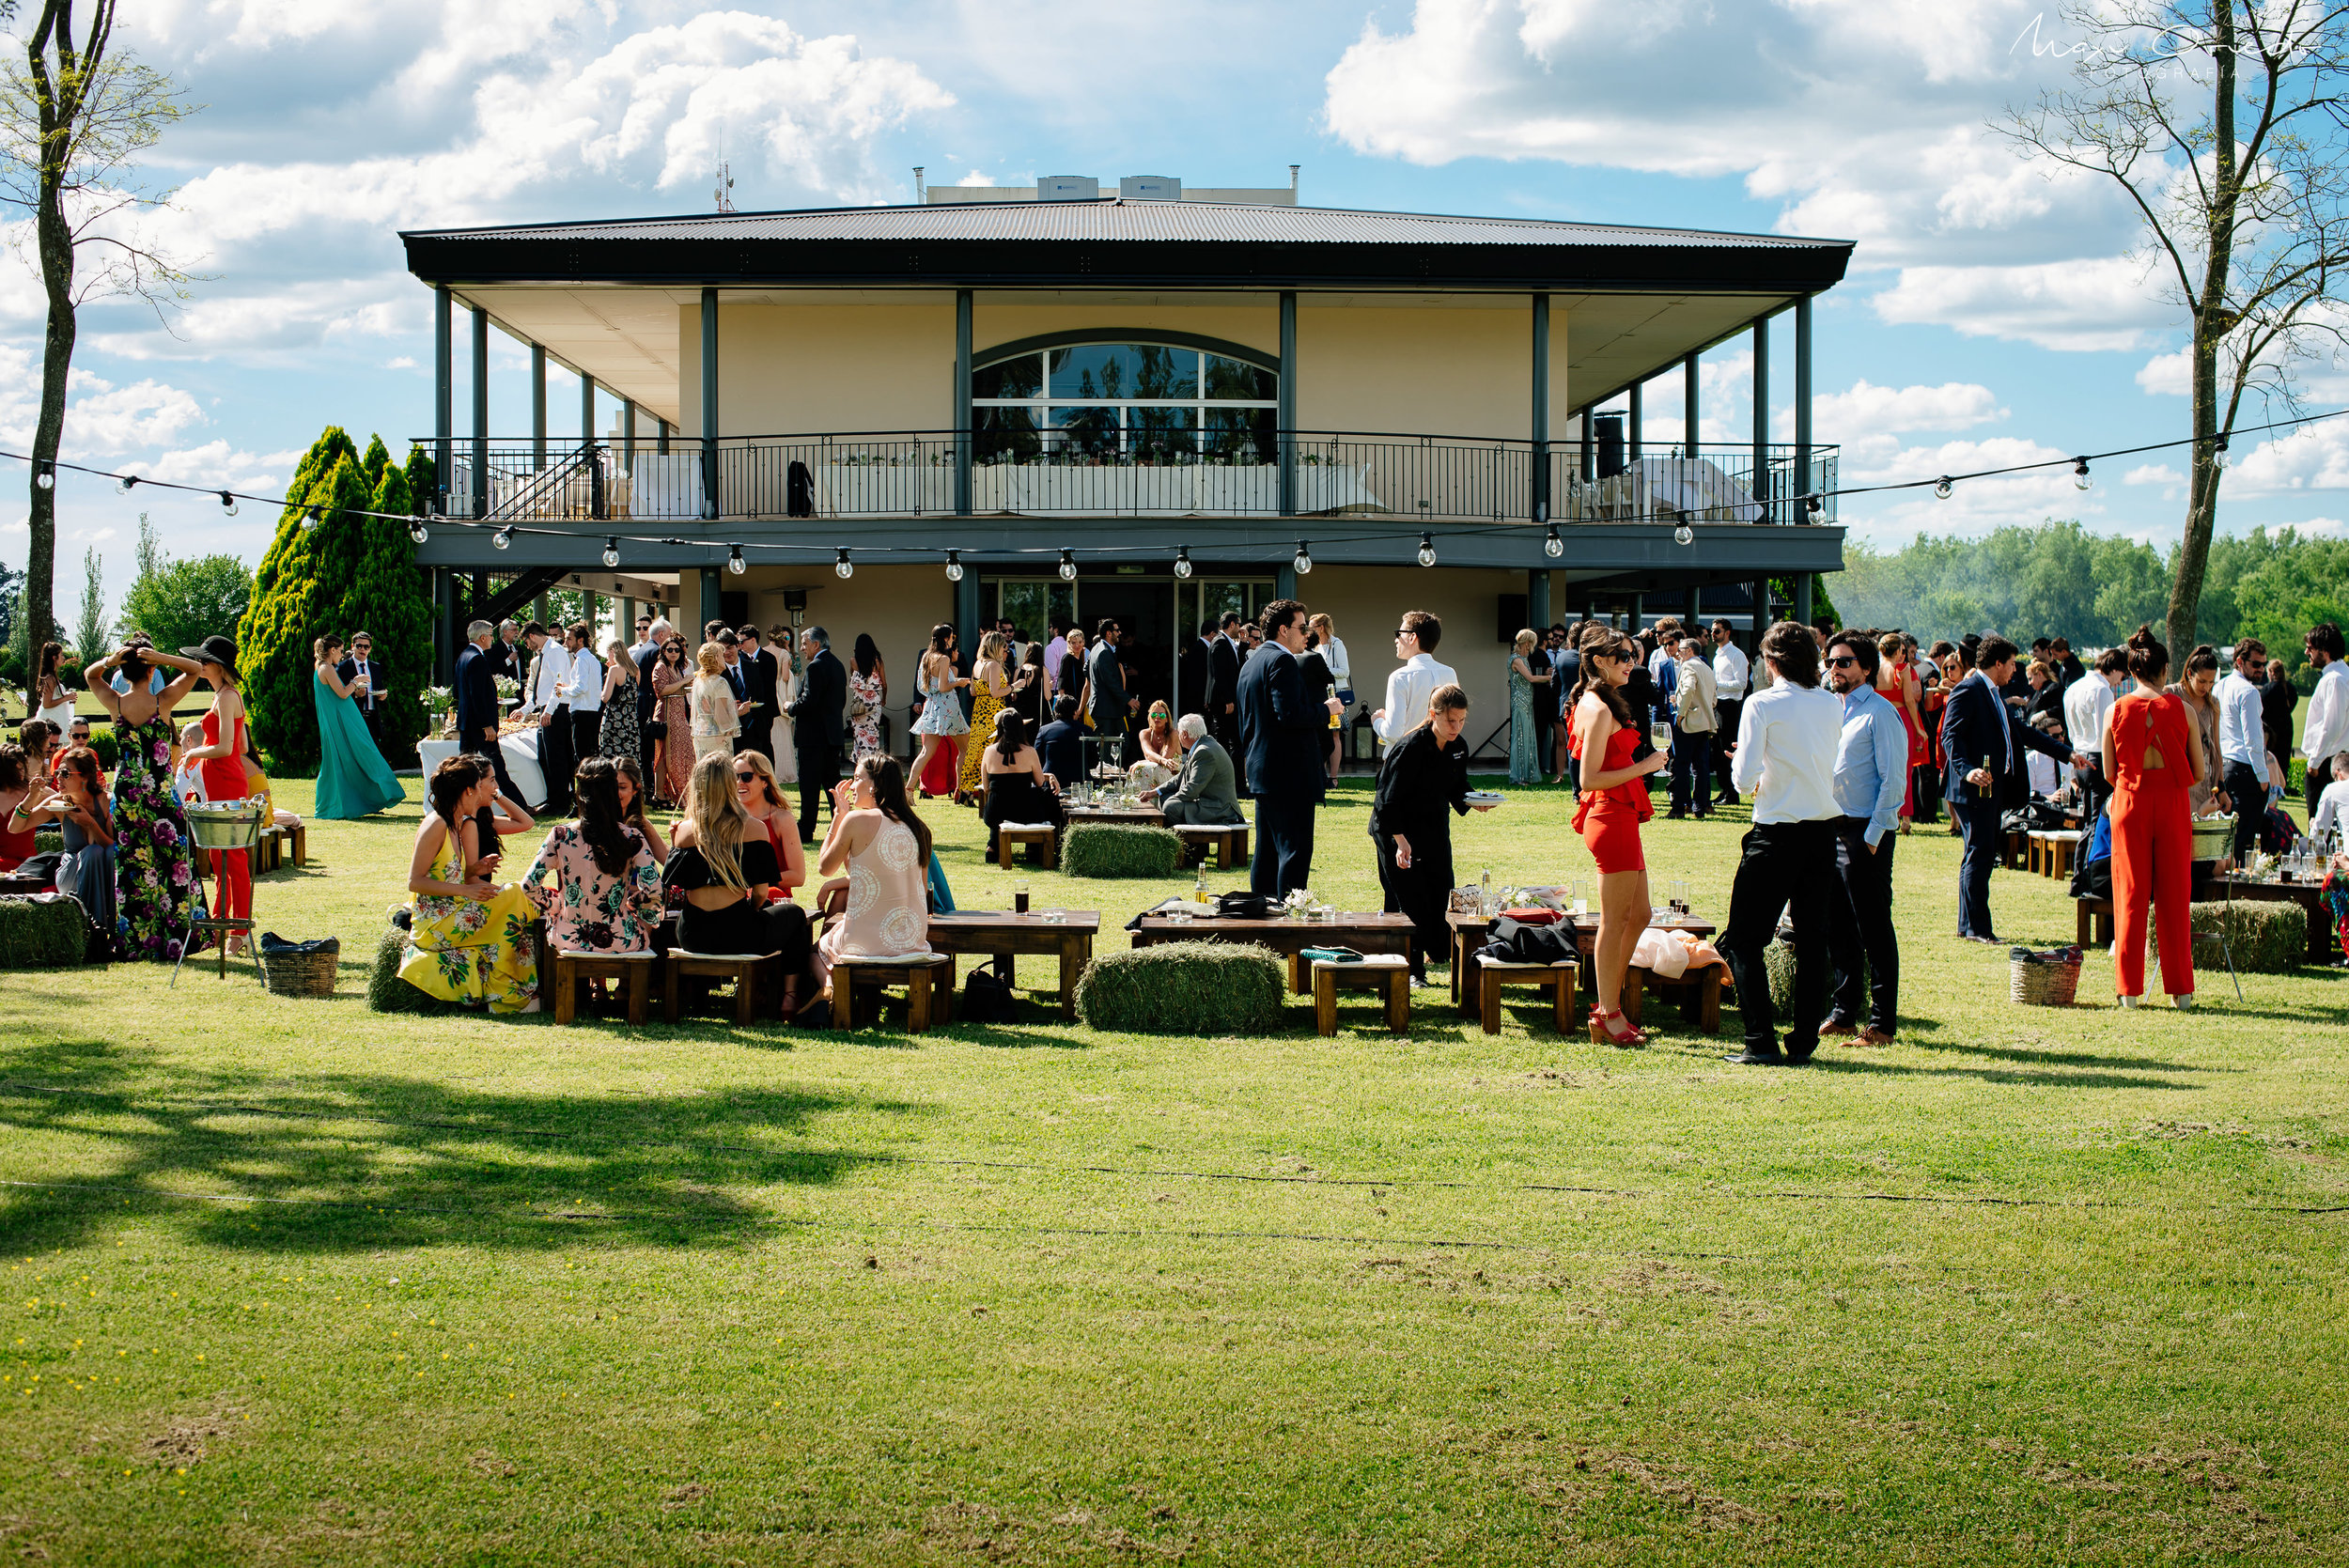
x=1125, y=398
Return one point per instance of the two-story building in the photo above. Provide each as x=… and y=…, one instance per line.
x=1064, y=403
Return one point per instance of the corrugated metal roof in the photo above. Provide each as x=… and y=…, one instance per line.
x=1114, y=220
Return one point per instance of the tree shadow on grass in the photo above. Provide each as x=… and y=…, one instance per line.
x=357, y=1162
x=2045, y=1079
x=2064, y=1058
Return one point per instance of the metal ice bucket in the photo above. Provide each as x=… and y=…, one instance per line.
x=230, y=825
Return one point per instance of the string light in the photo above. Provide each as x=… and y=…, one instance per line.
x=1182, y=562
x=1427, y=550
x=1941, y=487
x=1814, y=505
x=1684, y=535
x=310, y=520
x=1553, y=546
x=841, y=566
x=953, y=566
x=1304, y=562
x=735, y=564
x=612, y=551
x=2218, y=453
x=504, y=537
x=417, y=532
x=128, y=482
x=1068, y=567
x=228, y=503
x=2080, y=480
x=45, y=476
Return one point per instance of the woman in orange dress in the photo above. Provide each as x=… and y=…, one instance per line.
x=2153, y=758
x=1613, y=804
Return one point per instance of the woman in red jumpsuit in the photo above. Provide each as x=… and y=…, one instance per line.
x=1607, y=730
x=2153, y=758
x=222, y=756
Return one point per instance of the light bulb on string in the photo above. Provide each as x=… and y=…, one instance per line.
x=1553, y=546
x=1941, y=487
x=612, y=551
x=1068, y=567
x=128, y=482
x=841, y=565
x=1814, y=505
x=1182, y=562
x=310, y=521
x=1427, y=550
x=2218, y=452
x=504, y=537
x=228, y=503
x=417, y=532
x=953, y=566
x=1304, y=562
x=1684, y=535
x=2080, y=480
x=46, y=478
x=736, y=566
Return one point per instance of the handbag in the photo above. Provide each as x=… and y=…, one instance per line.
x=859, y=708
x=655, y=729
x=1245, y=906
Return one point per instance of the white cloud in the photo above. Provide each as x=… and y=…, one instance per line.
x=2077, y=304
x=2173, y=482
x=2170, y=375
x=1868, y=410
x=2313, y=458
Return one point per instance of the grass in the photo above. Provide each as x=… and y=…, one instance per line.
x=289, y=1281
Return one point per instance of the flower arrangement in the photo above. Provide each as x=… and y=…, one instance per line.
x=508, y=688
x=436, y=699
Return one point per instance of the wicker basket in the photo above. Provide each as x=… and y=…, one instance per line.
x=300, y=974
x=2050, y=979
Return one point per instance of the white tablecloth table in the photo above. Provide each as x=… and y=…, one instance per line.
x=522, y=764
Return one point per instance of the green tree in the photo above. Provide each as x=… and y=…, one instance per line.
x=179, y=603
x=89, y=627
x=422, y=484
x=2301, y=582
x=295, y=600
x=390, y=597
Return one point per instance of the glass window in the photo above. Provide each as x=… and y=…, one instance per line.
x=1231, y=378
x=1011, y=378
x=1001, y=434
x=1093, y=431
x=1143, y=403
x=1121, y=370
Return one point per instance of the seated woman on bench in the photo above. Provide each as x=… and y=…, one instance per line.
x=722, y=860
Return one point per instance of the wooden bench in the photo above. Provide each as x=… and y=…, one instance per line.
x=2052, y=850
x=298, y=843
x=2091, y=917
x=1557, y=979
x=1043, y=838
x=1229, y=840
x=926, y=1000
x=268, y=851
x=748, y=971
x=1698, y=992
x=633, y=970
x=2015, y=851
x=1382, y=969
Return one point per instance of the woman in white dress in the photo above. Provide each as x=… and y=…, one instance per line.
x=55, y=703
x=1341, y=674
x=786, y=649
x=942, y=724
x=716, y=721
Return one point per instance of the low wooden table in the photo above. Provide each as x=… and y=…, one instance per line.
x=1001, y=935
x=2309, y=895
x=1367, y=931
x=1469, y=933
x=1123, y=816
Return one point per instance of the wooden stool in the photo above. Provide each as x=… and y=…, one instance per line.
x=1229, y=840
x=268, y=851
x=1010, y=838
x=633, y=970
x=2052, y=850
x=1698, y=991
x=2017, y=846
x=918, y=972
x=2091, y=916
x=1387, y=970
x=746, y=970
x=298, y=837
x=1557, y=979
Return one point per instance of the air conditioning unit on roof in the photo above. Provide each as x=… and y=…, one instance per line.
x=1067, y=187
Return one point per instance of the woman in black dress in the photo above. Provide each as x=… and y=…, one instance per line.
x=1016, y=786
x=723, y=861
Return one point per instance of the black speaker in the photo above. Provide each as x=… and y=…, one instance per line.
x=1512, y=618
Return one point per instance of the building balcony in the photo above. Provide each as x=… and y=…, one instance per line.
x=1110, y=471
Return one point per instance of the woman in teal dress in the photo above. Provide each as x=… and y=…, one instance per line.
x=353, y=778
x=1525, y=734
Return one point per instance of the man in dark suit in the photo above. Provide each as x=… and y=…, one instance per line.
x=1191, y=673
x=1106, y=681
x=1281, y=729
x=371, y=700
x=758, y=684
x=1983, y=740
x=477, y=703
x=1223, y=661
x=658, y=632
x=819, y=717
x=508, y=658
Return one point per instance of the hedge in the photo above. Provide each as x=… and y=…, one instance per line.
x=1104, y=849
x=1184, y=989
x=42, y=933
x=388, y=992
x=2269, y=937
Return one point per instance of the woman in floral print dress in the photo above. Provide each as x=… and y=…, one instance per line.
x=469, y=940
x=595, y=879
x=157, y=890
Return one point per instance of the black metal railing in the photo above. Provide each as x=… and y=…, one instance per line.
x=1139, y=472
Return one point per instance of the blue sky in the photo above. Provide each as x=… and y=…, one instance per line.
x=1993, y=314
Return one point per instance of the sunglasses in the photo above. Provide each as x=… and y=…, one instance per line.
x=1843, y=662
x=744, y=775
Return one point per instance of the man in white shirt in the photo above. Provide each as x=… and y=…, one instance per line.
x=1787, y=737
x=2332, y=805
x=543, y=700
x=2085, y=702
x=2243, y=742
x=2326, y=735
x=1415, y=680
x=1729, y=695
x=582, y=688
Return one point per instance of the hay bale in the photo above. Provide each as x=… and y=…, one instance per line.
x=1184, y=989
x=386, y=991
x=1109, y=850
x=2268, y=937
x=42, y=932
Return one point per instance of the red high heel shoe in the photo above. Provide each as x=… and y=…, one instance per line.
x=1604, y=1033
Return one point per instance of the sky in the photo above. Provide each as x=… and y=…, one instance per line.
x=1993, y=312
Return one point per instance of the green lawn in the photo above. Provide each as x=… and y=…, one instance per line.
x=292, y=1283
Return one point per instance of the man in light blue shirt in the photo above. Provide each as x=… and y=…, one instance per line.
x=1871, y=779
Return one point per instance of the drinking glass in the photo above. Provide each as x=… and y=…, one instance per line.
x=1020, y=898
x=1574, y=904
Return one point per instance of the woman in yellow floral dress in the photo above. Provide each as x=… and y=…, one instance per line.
x=468, y=941
x=990, y=688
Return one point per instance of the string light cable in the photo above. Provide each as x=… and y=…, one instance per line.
x=504, y=531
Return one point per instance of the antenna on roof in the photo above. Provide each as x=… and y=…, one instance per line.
x=1293, y=168
x=725, y=186
x=918, y=197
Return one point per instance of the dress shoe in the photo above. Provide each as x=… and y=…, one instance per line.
x=1675, y=816
x=1756, y=1059
x=1797, y=1055
x=1837, y=1029
x=1871, y=1036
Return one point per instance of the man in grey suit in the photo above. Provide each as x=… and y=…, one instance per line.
x=1206, y=794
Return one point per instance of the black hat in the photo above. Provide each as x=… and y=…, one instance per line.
x=214, y=650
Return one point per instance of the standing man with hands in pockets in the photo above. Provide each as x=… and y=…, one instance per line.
x=1984, y=740
x=1281, y=730
x=1871, y=781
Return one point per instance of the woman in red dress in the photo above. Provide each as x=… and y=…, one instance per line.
x=1613, y=804
x=2153, y=757
x=1896, y=679
x=224, y=771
